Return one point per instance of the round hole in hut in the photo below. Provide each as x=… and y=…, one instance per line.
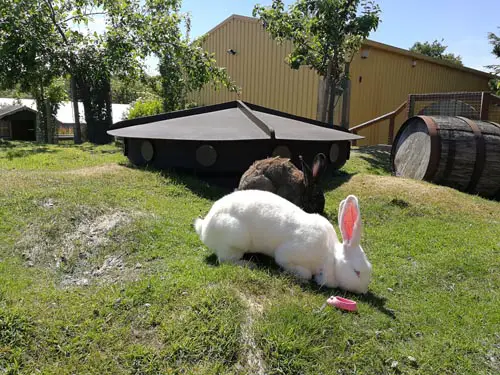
x=334, y=152
x=206, y=155
x=147, y=151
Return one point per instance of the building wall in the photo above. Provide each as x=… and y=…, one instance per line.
x=23, y=125
x=382, y=81
x=4, y=128
x=379, y=83
x=260, y=70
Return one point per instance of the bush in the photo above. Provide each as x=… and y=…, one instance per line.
x=142, y=108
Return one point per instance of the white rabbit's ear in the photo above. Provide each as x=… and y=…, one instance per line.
x=350, y=220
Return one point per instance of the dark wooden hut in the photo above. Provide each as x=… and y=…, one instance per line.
x=18, y=122
x=225, y=139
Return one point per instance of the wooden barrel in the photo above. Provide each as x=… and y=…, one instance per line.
x=450, y=150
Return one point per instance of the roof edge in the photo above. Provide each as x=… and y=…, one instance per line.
x=229, y=19
x=379, y=45
x=17, y=109
x=419, y=56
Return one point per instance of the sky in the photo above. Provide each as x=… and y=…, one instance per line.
x=464, y=25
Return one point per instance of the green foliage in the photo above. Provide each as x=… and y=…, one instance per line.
x=31, y=56
x=39, y=43
x=436, y=50
x=184, y=65
x=142, y=108
x=495, y=42
x=126, y=91
x=14, y=92
x=325, y=33
x=186, y=68
x=150, y=107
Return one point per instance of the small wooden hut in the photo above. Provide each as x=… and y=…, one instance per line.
x=225, y=139
x=18, y=122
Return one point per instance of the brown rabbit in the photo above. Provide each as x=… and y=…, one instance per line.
x=280, y=176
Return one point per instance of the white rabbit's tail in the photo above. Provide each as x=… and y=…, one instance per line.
x=198, y=226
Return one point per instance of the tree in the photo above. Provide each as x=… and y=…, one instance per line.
x=126, y=90
x=39, y=43
x=184, y=65
x=495, y=42
x=28, y=57
x=325, y=35
x=137, y=29
x=436, y=50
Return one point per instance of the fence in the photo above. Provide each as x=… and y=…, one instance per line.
x=474, y=105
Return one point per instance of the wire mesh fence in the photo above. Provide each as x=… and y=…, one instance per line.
x=494, y=109
x=466, y=104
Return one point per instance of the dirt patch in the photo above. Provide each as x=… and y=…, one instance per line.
x=78, y=251
x=92, y=232
x=251, y=359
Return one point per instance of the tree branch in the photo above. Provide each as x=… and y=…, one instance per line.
x=85, y=15
x=54, y=21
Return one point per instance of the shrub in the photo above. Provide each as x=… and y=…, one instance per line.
x=142, y=108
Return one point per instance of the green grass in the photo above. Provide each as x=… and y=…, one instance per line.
x=102, y=273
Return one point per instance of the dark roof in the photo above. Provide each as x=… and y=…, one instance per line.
x=230, y=121
x=11, y=109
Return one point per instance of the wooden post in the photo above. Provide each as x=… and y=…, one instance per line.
x=411, y=106
x=355, y=142
x=391, y=129
x=485, y=106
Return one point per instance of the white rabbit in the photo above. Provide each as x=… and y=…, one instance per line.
x=304, y=244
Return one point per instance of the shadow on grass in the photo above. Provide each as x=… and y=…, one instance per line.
x=21, y=153
x=92, y=148
x=378, y=156
x=267, y=263
x=211, y=188
x=7, y=144
x=337, y=178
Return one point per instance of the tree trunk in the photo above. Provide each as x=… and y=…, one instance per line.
x=41, y=130
x=323, y=105
x=326, y=98
x=346, y=100
x=49, y=133
x=77, y=132
x=331, y=103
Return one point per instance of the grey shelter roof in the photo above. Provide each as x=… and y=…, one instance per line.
x=11, y=109
x=230, y=121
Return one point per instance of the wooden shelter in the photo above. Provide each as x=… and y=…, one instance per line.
x=225, y=139
x=18, y=122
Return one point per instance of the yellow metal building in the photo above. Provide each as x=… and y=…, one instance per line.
x=382, y=76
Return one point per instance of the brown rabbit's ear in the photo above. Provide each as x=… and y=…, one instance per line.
x=308, y=176
x=319, y=166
